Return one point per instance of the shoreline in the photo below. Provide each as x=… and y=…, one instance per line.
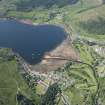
x=29, y=22
x=57, y=51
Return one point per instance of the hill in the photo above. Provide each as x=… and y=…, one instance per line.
x=12, y=83
x=27, y=5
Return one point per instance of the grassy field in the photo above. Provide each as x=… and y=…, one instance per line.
x=81, y=85
x=11, y=82
x=87, y=53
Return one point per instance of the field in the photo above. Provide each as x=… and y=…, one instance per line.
x=81, y=85
x=11, y=81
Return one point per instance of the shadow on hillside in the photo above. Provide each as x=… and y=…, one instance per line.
x=94, y=26
x=30, y=4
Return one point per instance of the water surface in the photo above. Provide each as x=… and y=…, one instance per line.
x=31, y=42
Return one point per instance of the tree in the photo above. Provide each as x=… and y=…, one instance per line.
x=50, y=96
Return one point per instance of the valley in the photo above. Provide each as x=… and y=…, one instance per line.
x=72, y=73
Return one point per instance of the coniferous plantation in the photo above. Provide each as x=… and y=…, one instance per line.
x=52, y=52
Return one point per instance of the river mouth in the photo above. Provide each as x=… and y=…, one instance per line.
x=30, y=42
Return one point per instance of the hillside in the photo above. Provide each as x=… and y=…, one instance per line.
x=27, y=5
x=12, y=82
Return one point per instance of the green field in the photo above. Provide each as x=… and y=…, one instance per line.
x=11, y=81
